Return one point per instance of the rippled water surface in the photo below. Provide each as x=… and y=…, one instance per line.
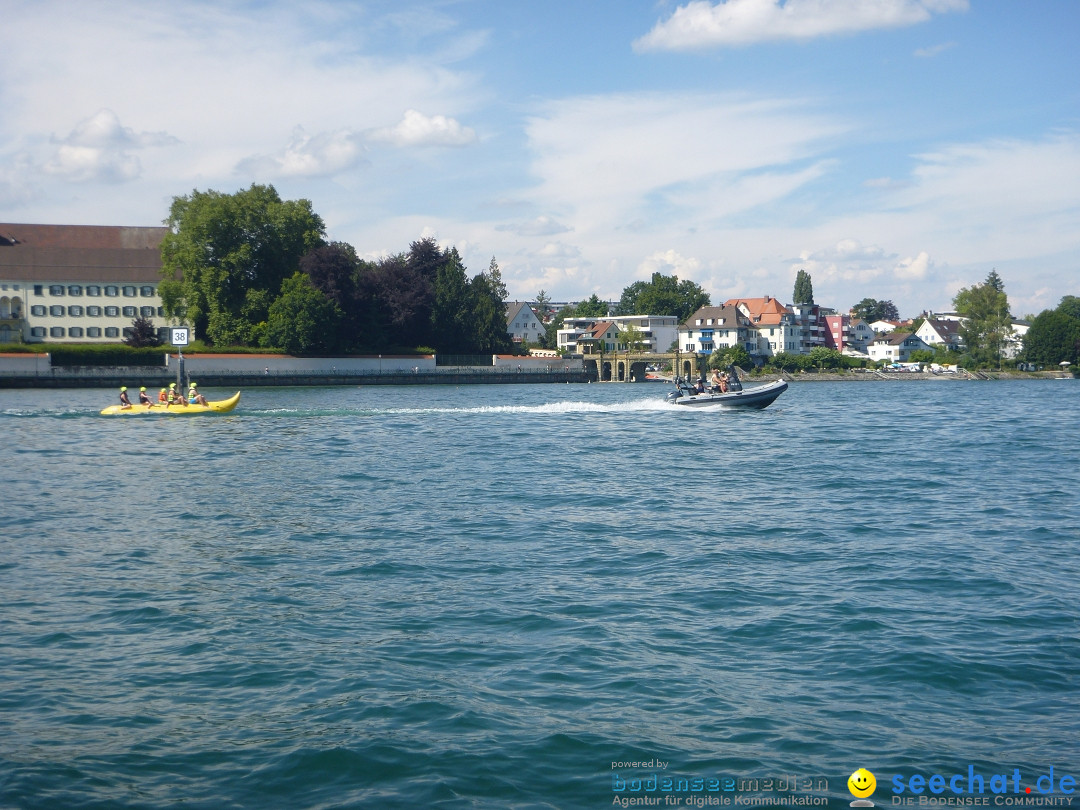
x=527, y=596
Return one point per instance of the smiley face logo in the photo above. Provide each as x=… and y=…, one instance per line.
x=861, y=783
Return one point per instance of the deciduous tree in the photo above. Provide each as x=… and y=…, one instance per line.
x=225, y=249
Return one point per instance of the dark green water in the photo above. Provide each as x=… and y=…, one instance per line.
x=531, y=596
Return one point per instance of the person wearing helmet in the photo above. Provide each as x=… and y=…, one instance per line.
x=175, y=397
x=125, y=403
x=194, y=397
x=144, y=399
x=163, y=397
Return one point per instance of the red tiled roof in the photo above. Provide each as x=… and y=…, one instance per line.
x=80, y=253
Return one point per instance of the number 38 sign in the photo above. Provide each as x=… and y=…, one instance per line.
x=179, y=336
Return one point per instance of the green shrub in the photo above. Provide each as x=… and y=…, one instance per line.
x=106, y=355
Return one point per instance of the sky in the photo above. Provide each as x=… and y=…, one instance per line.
x=894, y=149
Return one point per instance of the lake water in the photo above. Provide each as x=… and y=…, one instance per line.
x=540, y=596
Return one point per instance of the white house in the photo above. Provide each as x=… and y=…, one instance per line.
x=656, y=332
x=895, y=347
x=712, y=328
x=941, y=333
x=522, y=323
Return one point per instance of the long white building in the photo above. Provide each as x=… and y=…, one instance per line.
x=72, y=283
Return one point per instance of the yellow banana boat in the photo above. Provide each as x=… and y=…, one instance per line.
x=217, y=406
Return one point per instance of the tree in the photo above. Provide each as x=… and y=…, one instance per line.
x=543, y=304
x=226, y=249
x=985, y=308
x=143, y=333
x=488, y=294
x=870, y=310
x=1054, y=336
x=632, y=338
x=824, y=357
x=592, y=307
x=662, y=295
x=451, y=310
x=302, y=320
x=1070, y=305
x=731, y=356
x=804, y=289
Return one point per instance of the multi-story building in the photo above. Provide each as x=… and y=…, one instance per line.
x=848, y=335
x=778, y=330
x=712, y=328
x=655, y=333
x=70, y=283
x=522, y=323
x=811, y=318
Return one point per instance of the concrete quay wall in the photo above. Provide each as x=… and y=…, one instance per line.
x=240, y=371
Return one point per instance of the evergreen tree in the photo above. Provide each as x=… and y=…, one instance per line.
x=804, y=289
x=450, y=326
x=143, y=333
x=488, y=293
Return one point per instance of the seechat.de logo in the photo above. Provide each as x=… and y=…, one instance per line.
x=862, y=785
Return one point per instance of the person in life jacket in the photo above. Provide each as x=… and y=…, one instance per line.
x=144, y=399
x=175, y=397
x=194, y=397
x=163, y=397
x=125, y=403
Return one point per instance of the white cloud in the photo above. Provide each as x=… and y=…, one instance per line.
x=914, y=268
x=100, y=148
x=701, y=24
x=540, y=226
x=670, y=263
x=417, y=129
x=320, y=155
x=643, y=161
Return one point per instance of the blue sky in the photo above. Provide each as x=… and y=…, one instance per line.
x=894, y=149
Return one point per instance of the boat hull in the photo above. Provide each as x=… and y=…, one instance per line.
x=758, y=397
x=217, y=406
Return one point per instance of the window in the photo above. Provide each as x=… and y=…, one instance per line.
x=147, y=312
x=74, y=289
x=93, y=312
x=93, y=331
x=112, y=312
x=163, y=334
x=56, y=331
x=37, y=310
x=112, y=291
x=128, y=332
x=111, y=332
x=56, y=312
x=161, y=312
x=39, y=289
x=75, y=312
x=37, y=331
x=56, y=289
x=75, y=331
x=146, y=292
x=129, y=312
x=129, y=291
x=93, y=291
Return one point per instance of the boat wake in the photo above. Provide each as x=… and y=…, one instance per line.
x=555, y=408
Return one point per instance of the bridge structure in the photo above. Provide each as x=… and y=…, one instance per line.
x=630, y=366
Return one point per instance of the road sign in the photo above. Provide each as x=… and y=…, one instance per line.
x=179, y=336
